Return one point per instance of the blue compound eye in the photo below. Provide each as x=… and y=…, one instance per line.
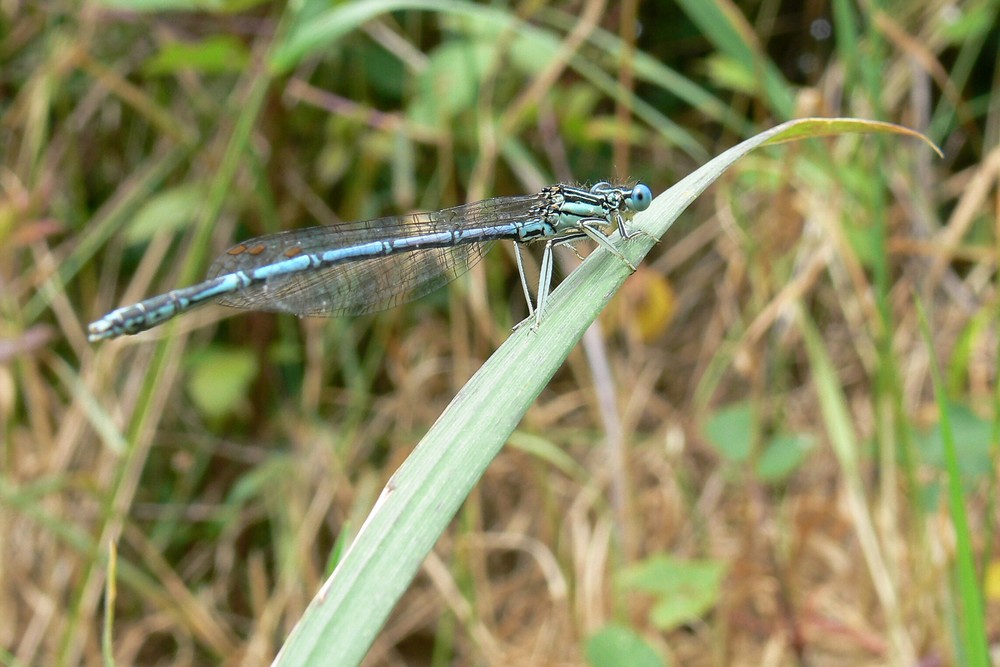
x=640, y=198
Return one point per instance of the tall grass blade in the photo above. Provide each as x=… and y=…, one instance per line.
x=424, y=495
x=973, y=649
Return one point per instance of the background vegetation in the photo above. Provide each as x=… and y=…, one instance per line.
x=711, y=478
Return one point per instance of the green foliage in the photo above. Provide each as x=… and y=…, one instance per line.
x=214, y=55
x=973, y=436
x=974, y=337
x=783, y=455
x=449, y=85
x=620, y=646
x=732, y=431
x=974, y=21
x=685, y=590
x=219, y=379
x=168, y=212
x=731, y=73
x=315, y=30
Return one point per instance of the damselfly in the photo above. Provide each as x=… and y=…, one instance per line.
x=372, y=265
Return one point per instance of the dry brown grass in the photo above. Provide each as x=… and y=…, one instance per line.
x=224, y=524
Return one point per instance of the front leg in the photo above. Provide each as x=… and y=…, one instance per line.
x=589, y=227
x=638, y=231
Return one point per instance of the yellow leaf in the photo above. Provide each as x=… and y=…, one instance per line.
x=646, y=302
x=993, y=580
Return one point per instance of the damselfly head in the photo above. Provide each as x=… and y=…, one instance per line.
x=636, y=198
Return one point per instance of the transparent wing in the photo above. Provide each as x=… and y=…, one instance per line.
x=367, y=285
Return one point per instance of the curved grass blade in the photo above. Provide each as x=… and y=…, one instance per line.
x=426, y=492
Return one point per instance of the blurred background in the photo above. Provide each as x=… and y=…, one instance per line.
x=709, y=480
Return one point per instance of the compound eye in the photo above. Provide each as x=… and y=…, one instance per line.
x=640, y=198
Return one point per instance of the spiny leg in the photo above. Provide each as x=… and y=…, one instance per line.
x=544, y=283
x=524, y=283
x=588, y=228
x=638, y=231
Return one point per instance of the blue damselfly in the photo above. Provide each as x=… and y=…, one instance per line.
x=363, y=267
